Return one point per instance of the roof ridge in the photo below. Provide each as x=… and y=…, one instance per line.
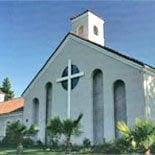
x=115, y=52
x=14, y=99
x=104, y=47
x=51, y=55
x=80, y=14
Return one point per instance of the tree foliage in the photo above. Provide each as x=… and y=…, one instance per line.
x=141, y=135
x=54, y=130
x=16, y=132
x=68, y=128
x=7, y=89
x=71, y=128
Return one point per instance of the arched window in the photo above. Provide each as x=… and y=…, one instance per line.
x=35, y=115
x=119, y=104
x=98, y=107
x=81, y=30
x=95, y=29
x=48, y=108
x=4, y=127
x=48, y=101
x=7, y=123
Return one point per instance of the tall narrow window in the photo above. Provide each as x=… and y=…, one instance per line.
x=119, y=104
x=48, y=101
x=98, y=107
x=48, y=108
x=35, y=111
x=81, y=30
x=95, y=30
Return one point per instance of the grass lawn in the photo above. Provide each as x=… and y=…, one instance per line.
x=6, y=151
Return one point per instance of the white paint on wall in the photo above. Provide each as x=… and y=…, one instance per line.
x=11, y=117
x=2, y=96
x=149, y=89
x=87, y=59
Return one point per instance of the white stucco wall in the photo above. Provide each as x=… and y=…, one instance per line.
x=99, y=23
x=11, y=117
x=80, y=21
x=2, y=97
x=149, y=89
x=87, y=57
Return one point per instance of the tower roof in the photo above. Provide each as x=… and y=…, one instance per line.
x=74, y=17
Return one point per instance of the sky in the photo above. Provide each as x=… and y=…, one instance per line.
x=30, y=31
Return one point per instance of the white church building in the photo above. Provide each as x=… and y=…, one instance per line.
x=84, y=76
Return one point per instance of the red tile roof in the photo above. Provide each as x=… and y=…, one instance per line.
x=11, y=105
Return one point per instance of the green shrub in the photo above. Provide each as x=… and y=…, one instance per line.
x=76, y=148
x=123, y=145
x=27, y=142
x=110, y=148
x=117, y=146
x=39, y=144
x=86, y=143
x=7, y=142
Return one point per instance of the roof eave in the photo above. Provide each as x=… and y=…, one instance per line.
x=135, y=61
x=88, y=10
x=45, y=63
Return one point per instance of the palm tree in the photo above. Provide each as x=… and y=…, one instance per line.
x=142, y=134
x=54, y=130
x=17, y=132
x=71, y=128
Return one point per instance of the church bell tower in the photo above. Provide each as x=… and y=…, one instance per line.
x=88, y=26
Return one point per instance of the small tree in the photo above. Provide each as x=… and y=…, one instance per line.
x=141, y=135
x=71, y=128
x=54, y=130
x=17, y=132
x=6, y=88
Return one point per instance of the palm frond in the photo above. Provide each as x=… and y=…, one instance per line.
x=123, y=128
